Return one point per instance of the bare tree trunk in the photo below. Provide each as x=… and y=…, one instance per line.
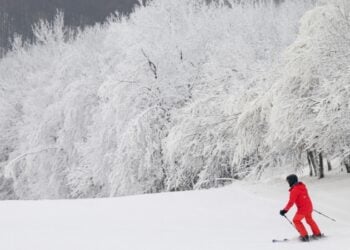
x=317, y=163
x=309, y=161
x=347, y=166
x=313, y=161
x=321, y=167
x=329, y=165
x=346, y=162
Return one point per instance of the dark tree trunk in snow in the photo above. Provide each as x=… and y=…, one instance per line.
x=313, y=160
x=316, y=163
x=347, y=166
x=329, y=165
x=321, y=167
x=346, y=162
x=309, y=161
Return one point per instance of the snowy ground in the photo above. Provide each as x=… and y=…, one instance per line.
x=240, y=216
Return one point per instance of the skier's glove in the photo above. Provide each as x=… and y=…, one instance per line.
x=283, y=212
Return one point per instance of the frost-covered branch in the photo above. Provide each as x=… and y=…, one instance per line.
x=151, y=65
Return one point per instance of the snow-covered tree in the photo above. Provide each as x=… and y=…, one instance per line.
x=307, y=103
x=170, y=98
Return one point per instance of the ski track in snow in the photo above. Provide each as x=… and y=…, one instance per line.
x=240, y=216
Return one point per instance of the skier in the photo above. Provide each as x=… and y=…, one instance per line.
x=300, y=196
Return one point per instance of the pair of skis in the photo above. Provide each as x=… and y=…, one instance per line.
x=286, y=240
x=310, y=238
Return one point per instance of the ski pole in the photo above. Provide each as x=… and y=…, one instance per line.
x=289, y=221
x=324, y=215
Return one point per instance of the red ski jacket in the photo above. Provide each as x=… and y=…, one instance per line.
x=299, y=196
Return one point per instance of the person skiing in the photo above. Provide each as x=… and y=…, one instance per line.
x=300, y=197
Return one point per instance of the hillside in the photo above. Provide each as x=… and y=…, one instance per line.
x=240, y=216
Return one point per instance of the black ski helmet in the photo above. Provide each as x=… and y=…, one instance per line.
x=292, y=179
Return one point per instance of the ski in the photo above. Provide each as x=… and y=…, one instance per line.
x=310, y=239
x=279, y=240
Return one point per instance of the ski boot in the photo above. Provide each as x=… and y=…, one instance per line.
x=317, y=236
x=304, y=238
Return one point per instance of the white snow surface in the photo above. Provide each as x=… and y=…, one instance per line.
x=240, y=216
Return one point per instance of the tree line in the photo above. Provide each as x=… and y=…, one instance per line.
x=177, y=96
x=18, y=16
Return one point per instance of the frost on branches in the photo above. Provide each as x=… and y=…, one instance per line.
x=180, y=95
x=310, y=99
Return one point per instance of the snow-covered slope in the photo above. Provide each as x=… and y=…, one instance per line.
x=240, y=216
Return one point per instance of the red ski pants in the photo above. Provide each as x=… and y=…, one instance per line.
x=309, y=220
